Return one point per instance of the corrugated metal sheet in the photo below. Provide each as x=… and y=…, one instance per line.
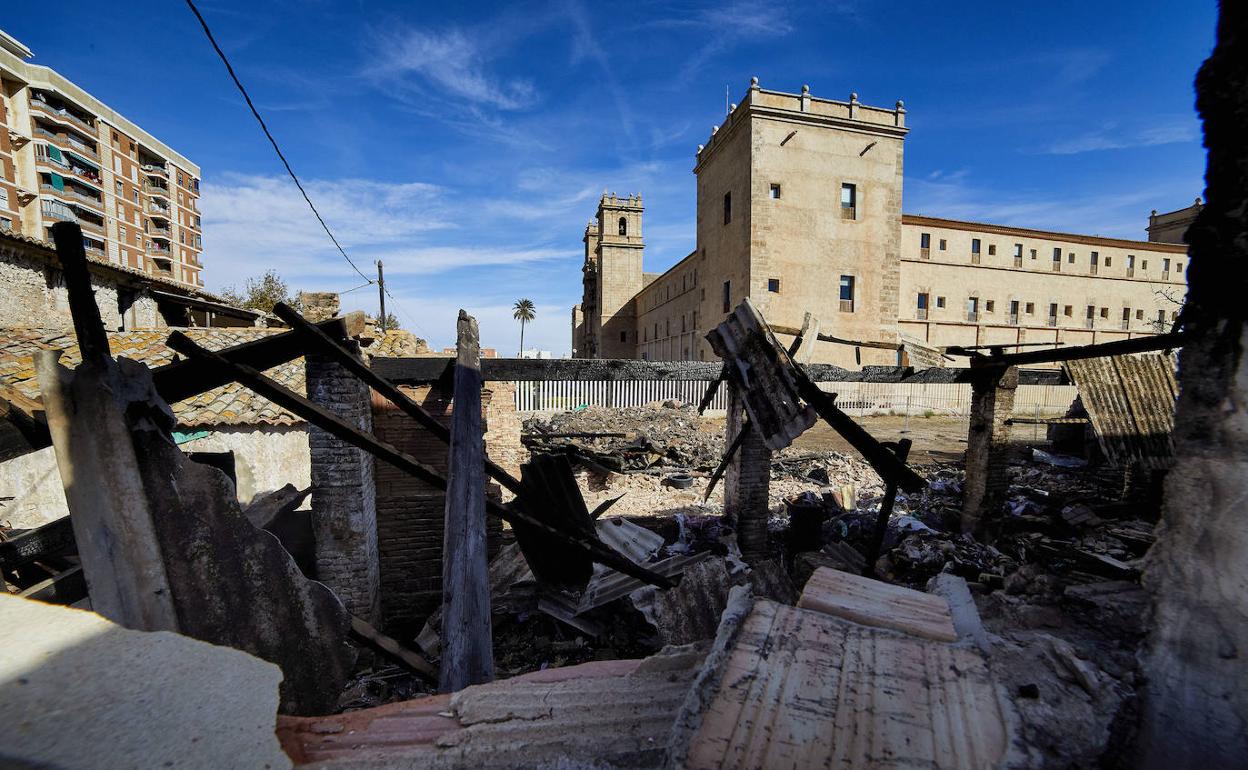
x=1130, y=403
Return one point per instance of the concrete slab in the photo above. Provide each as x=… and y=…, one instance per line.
x=78, y=691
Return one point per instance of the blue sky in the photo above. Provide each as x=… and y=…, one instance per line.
x=466, y=145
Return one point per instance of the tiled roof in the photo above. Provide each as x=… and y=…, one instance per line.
x=230, y=404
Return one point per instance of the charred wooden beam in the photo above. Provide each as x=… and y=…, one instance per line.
x=902, y=450
x=467, y=648
x=838, y=340
x=1117, y=348
x=334, y=425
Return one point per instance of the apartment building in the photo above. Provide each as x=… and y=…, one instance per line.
x=66, y=156
x=799, y=208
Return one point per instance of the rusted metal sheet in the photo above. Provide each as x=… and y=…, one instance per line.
x=1130, y=403
x=761, y=368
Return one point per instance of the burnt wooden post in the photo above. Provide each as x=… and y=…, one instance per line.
x=747, y=483
x=902, y=450
x=467, y=648
x=992, y=400
x=109, y=510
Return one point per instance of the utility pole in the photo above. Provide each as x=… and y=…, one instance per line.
x=381, y=297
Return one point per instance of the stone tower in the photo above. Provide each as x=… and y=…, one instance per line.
x=799, y=209
x=613, y=254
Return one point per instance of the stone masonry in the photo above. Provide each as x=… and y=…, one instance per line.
x=992, y=401
x=344, y=510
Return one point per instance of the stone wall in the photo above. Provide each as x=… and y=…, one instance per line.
x=265, y=458
x=344, y=513
x=410, y=513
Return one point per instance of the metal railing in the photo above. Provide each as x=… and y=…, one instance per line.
x=847, y=306
x=921, y=314
x=849, y=212
x=925, y=253
x=49, y=109
x=154, y=208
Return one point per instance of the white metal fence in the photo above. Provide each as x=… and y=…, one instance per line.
x=855, y=398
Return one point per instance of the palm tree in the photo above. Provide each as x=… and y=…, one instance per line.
x=525, y=311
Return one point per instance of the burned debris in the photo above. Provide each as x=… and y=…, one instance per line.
x=865, y=570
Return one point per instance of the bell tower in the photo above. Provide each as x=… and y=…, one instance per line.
x=618, y=255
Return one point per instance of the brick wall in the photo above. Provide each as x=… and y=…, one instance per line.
x=410, y=513
x=344, y=511
x=987, y=479
x=747, y=484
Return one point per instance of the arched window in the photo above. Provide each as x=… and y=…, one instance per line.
x=623, y=226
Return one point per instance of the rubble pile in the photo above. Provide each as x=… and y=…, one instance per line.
x=664, y=434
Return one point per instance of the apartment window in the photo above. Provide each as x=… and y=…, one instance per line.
x=940, y=302
x=774, y=192
x=1093, y=259
x=974, y=251
x=972, y=309
x=773, y=285
x=4, y=197
x=921, y=307
x=943, y=244
x=117, y=164
x=120, y=190
x=1052, y=314
x=847, y=293
x=195, y=186
x=1031, y=308
x=727, y=207
x=1018, y=255
x=727, y=296
x=925, y=245
x=6, y=223
x=123, y=232
x=849, y=201
x=992, y=249
x=623, y=221
x=136, y=196
x=1013, y=319
x=180, y=182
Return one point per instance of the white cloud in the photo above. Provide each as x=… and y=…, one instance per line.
x=1110, y=137
x=451, y=62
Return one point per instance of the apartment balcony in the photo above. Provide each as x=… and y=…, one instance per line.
x=63, y=115
x=93, y=247
x=155, y=209
x=921, y=314
x=157, y=171
x=158, y=251
x=59, y=212
x=95, y=227
x=93, y=203
x=161, y=232
x=156, y=189
x=1051, y=321
x=925, y=253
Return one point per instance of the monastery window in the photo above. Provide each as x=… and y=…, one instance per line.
x=1013, y=312
x=925, y=245
x=1031, y=308
x=920, y=311
x=1104, y=312
x=1057, y=260
x=1071, y=257
x=1130, y=265
x=623, y=223
x=1090, y=319
x=1109, y=261
x=847, y=294
x=1033, y=253
x=940, y=302
x=992, y=249
x=943, y=244
x=1178, y=268
x=1144, y=264
x=1018, y=255
x=972, y=309
x=989, y=306
x=1139, y=315
x=773, y=285
x=1052, y=320
x=727, y=207
x=974, y=251
x=727, y=296
x=774, y=192
x=1161, y=320
x=1093, y=259
x=1126, y=318
x=1068, y=311
x=849, y=201
x=1165, y=269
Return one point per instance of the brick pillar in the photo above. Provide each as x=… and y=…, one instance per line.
x=992, y=400
x=344, y=510
x=747, y=483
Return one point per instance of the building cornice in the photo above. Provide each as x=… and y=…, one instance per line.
x=1051, y=235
